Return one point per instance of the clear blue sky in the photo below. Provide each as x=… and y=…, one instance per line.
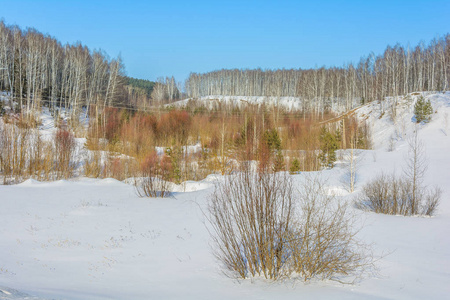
x=164, y=38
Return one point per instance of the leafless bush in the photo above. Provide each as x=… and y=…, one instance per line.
x=120, y=167
x=251, y=213
x=432, y=200
x=14, y=143
x=391, y=144
x=388, y=194
x=93, y=166
x=64, y=143
x=41, y=156
x=25, y=154
x=324, y=244
x=259, y=230
x=154, y=177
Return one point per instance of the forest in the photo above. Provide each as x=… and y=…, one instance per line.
x=37, y=68
x=398, y=71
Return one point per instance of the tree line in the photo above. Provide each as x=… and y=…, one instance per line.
x=397, y=71
x=36, y=67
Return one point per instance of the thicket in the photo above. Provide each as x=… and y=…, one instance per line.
x=26, y=154
x=154, y=177
x=219, y=140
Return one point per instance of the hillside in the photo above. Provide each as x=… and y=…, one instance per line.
x=96, y=239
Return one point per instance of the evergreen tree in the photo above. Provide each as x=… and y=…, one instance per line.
x=278, y=164
x=295, y=166
x=423, y=110
x=175, y=153
x=272, y=139
x=328, y=147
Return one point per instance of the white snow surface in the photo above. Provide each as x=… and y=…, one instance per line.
x=96, y=239
x=210, y=101
x=289, y=103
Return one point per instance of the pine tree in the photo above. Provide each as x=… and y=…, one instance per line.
x=272, y=139
x=175, y=153
x=295, y=166
x=278, y=164
x=423, y=110
x=328, y=147
x=428, y=110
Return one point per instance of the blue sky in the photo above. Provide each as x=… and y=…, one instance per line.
x=164, y=38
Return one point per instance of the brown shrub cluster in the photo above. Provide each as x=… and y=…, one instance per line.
x=263, y=226
x=393, y=195
x=226, y=137
x=26, y=154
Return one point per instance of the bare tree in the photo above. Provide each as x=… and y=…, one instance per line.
x=352, y=157
x=416, y=166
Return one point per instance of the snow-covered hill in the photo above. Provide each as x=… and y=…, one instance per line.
x=239, y=101
x=95, y=239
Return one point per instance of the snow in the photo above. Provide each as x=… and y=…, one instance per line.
x=189, y=149
x=292, y=103
x=96, y=239
x=289, y=103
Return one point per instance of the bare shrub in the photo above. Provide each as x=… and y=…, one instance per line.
x=25, y=154
x=432, y=200
x=388, y=194
x=154, y=176
x=120, y=167
x=404, y=195
x=64, y=143
x=323, y=243
x=263, y=227
x=14, y=142
x=251, y=214
x=93, y=166
x=41, y=156
x=77, y=126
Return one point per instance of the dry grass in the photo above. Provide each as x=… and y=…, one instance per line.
x=25, y=154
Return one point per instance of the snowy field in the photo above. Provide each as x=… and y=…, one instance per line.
x=95, y=239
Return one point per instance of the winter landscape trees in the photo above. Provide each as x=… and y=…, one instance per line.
x=69, y=112
x=398, y=71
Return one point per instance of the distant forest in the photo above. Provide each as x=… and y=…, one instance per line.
x=397, y=71
x=37, y=69
x=144, y=84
